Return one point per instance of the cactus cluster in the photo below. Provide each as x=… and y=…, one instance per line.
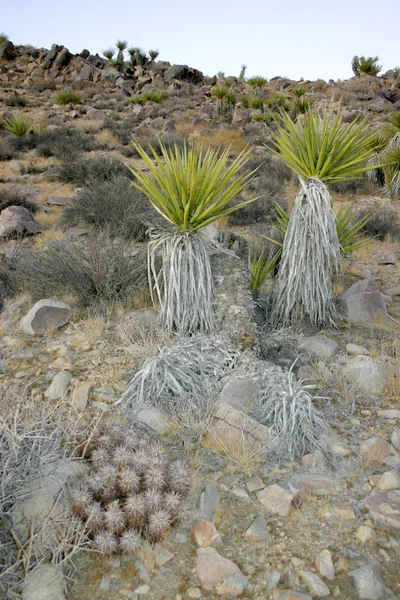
x=132, y=490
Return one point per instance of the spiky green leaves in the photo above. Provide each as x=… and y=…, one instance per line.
x=322, y=145
x=192, y=188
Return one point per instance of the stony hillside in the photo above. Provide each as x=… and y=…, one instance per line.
x=176, y=485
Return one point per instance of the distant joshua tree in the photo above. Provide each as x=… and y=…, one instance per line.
x=109, y=53
x=153, y=54
x=363, y=65
x=242, y=72
x=121, y=45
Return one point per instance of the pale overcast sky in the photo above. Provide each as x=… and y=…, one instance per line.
x=295, y=38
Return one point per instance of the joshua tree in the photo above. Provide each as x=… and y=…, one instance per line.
x=363, y=65
x=257, y=82
x=153, y=54
x=109, y=53
x=190, y=190
x=226, y=99
x=321, y=149
x=242, y=72
x=121, y=45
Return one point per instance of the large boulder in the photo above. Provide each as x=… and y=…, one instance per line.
x=17, y=220
x=46, y=316
x=362, y=302
x=7, y=50
x=365, y=375
x=183, y=73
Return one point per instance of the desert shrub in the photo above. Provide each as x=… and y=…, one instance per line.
x=267, y=183
x=383, y=221
x=62, y=143
x=101, y=270
x=82, y=170
x=133, y=490
x=8, y=149
x=7, y=283
x=16, y=197
x=113, y=204
x=14, y=100
x=64, y=97
x=123, y=130
x=17, y=125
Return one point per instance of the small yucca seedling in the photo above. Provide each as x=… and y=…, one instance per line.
x=17, y=125
x=302, y=105
x=64, y=97
x=106, y=542
x=130, y=541
x=261, y=264
x=245, y=101
x=266, y=118
x=256, y=103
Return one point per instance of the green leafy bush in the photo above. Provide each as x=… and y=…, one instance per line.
x=156, y=96
x=363, y=65
x=64, y=97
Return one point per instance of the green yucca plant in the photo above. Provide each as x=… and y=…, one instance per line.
x=363, y=65
x=257, y=82
x=298, y=91
x=301, y=105
x=150, y=96
x=266, y=118
x=17, y=125
x=226, y=99
x=108, y=53
x=261, y=264
x=320, y=148
x=153, y=54
x=3, y=38
x=64, y=97
x=190, y=189
x=256, y=103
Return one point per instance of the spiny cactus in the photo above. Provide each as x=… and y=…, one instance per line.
x=132, y=491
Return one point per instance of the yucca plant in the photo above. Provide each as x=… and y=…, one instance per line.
x=301, y=105
x=64, y=97
x=3, y=38
x=363, y=65
x=190, y=189
x=108, y=53
x=226, y=99
x=261, y=265
x=17, y=125
x=266, y=118
x=257, y=103
x=321, y=149
x=257, y=82
x=298, y=91
x=121, y=46
x=153, y=54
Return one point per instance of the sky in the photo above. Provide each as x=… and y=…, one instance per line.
x=296, y=39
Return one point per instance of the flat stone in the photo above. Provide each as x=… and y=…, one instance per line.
x=59, y=200
x=80, y=395
x=289, y=595
x=213, y=569
x=324, y=565
x=152, y=419
x=44, y=583
x=59, y=386
x=258, y=530
x=384, y=508
x=374, y=450
x=142, y=590
x=343, y=510
x=209, y=501
x=273, y=579
x=385, y=257
x=205, y=534
x=365, y=375
x=239, y=393
x=254, y=484
x=280, y=498
x=318, y=484
x=234, y=585
x=316, y=586
x=162, y=555
x=389, y=413
x=395, y=438
x=365, y=534
x=240, y=493
x=342, y=565
x=193, y=592
x=390, y=480
x=368, y=581
x=75, y=232
x=356, y=350
x=320, y=346
x=13, y=342
x=22, y=355
x=46, y=316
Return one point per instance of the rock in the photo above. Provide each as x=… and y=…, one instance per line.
x=273, y=579
x=390, y=480
x=364, y=374
x=183, y=73
x=324, y=565
x=321, y=485
x=213, y=569
x=240, y=493
x=14, y=342
x=46, y=316
x=17, y=220
x=80, y=396
x=59, y=386
x=368, y=581
x=344, y=510
x=39, y=496
x=59, y=200
x=7, y=50
x=254, y=484
x=320, y=346
x=239, y=393
x=205, y=534
x=385, y=257
x=395, y=438
x=316, y=586
x=209, y=500
x=62, y=59
x=194, y=592
x=389, y=413
x=280, y=498
x=289, y=595
x=365, y=534
x=384, y=508
x=162, y=555
x=96, y=114
x=46, y=582
x=374, y=450
x=233, y=428
x=152, y=419
x=110, y=74
x=138, y=324
x=3, y=366
x=356, y=350
x=362, y=303
x=258, y=530
x=169, y=126
x=234, y=585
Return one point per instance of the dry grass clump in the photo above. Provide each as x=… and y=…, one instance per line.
x=114, y=205
x=63, y=143
x=222, y=138
x=133, y=491
x=383, y=222
x=82, y=170
x=98, y=270
x=16, y=197
x=8, y=148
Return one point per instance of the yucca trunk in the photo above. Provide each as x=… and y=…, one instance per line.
x=184, y=284
x=310, y=257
